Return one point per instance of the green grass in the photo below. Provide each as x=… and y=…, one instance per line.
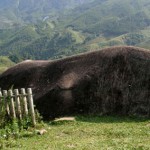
x=76, y=36
x=5, y=63
x=87, y=133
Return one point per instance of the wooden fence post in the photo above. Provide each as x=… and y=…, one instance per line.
x=1, y=98
x=12, y=107
x=31, y=106
x=6, y=102
x=13, y=104
x=17, y=99
x=24, y=99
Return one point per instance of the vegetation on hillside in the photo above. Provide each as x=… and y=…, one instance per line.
x=19, y=12
x=94, y=25
x=5, y=63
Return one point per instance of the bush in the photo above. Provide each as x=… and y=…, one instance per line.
x=12, y=128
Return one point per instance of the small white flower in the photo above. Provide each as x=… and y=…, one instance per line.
x=4, y=135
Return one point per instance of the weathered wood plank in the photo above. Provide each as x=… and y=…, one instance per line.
x=31, y=106
x=5, y=94
x=24, y=99
x=12, y=106
x=18, y=106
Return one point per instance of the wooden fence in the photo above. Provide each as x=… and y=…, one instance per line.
x=18, y=105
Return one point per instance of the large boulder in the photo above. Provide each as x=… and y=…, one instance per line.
x=109, y=81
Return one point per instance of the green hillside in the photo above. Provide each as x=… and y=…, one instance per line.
x=111, y=16
x=93, y=25
x=19, y=12
x=5, y=63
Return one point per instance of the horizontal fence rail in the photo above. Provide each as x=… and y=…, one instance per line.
x=18, y=105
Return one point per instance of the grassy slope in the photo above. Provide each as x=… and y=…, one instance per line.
x=103, y=16
x=89, y=133
x=5, y=63
x=139, y=38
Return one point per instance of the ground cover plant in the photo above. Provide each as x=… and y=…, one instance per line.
x=85, y=133
x=13, y=128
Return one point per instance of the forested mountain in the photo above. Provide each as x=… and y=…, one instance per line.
x=111, y=16
x=20, y=12
x=48, y=29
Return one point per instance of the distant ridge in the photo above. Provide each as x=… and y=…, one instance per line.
x=52, y=30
